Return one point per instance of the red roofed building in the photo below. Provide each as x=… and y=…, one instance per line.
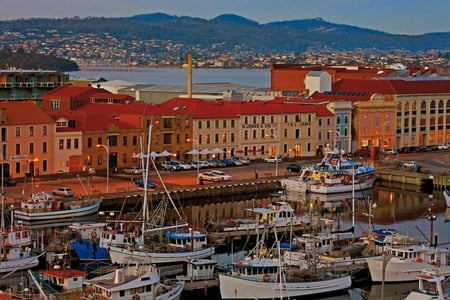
x=420, y=117
x=27, y=135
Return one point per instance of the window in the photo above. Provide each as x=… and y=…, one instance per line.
x=17, y=131
x=111, y=140
x=232, y=124
x=134, y=140
x=44, y=147
x=44, y=165
x=199, y=124
x=89, y=142
x=217, y=124
x=208, y=124
x=31, y=148
x=61, y=144
x=17, y=149
x=224, y=124
x=75, y=143
x=45, y=130
x=124, y=141
x=4, y=134
x=208, y=138
x=216, y=138
x=56, y=104
x=167, y=138
x=232, y=138
x=168, y=123
x=31, y=130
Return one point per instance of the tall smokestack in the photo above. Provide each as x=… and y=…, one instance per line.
x=189, y=83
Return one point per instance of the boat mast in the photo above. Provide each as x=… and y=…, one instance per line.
x=145, y=180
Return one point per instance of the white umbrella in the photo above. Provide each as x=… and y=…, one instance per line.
x=205, y=151
x=193, y=152
x=153, y=154
x=218, y=151
x=165, y=153
x=140, y=155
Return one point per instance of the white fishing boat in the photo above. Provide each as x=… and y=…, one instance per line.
x=57, y=282
x=431, y=287
x=447, y=197
x=42, y=206
x=175, y=243
x=15, y=247
x=333, y=161
x=279, y=214
x=137, y=281
x=265, y=276
x=402, y=264
x=338, y=182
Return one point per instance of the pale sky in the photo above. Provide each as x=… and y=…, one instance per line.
x=392, y=16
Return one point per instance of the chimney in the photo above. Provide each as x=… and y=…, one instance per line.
x=189, y=83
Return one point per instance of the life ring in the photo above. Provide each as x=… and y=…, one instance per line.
x=266, y=278
x=94, y=234
x=277, y=207
x=108, y=293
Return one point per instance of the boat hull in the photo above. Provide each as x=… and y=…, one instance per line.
x=447, y=197
x=233, y=287
x=342, y=188
x=87, y=253
x=7, y=266
x=399, y=270
x=119, y=255
x=60, y=214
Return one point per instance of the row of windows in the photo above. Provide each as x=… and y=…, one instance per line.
x=18, y=133
x=31, y=148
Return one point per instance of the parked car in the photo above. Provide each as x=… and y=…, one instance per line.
x=410, y=163
x=224, y=176
x=185, y=165
x=389, y=151
x=150, y=184
x=63, y=191
x=9, y=181
x=169, y=165
x=92, y=171
x=244, y=160
x=273, y=159
x=442, y=147
x=294, y=168
x=133, y=170
x=209, y=177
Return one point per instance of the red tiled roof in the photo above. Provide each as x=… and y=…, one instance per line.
x=24, y=112
x=393, y=87
x=73, y=91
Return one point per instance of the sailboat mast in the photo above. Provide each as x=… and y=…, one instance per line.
x=147, y=163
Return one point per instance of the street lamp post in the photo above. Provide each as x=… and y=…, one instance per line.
x=276, y=152
x=195, y=141
x=106, y=147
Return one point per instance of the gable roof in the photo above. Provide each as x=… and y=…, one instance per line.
x=24, y=113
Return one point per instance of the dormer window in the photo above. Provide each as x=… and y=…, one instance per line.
x=62, y=123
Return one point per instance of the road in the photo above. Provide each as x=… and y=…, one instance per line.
x=434, y=162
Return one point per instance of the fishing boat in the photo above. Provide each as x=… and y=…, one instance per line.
x=430, y=287
x=137, y=281
x=162, y=243
x=333, y=161
x=402, y=264
x=59, y=281
x=447, y=197
x=279, y=214
x=264, y=274
x=336, y=182
x=85, y=242
x=42, y=206
x=15, y=247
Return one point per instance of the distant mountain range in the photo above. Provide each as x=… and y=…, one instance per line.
x=232, y=33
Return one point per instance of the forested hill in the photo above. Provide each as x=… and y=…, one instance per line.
x=34, y=61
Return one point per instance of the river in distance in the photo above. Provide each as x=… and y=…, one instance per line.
x=178, y=76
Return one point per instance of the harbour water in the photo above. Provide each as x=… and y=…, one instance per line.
x=178, y=76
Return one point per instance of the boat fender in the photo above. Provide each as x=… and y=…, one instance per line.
x=419, y=260
x=277, y=207
x=94, y=234
x=108, y=293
